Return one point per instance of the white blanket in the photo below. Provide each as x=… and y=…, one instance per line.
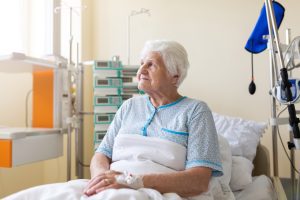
x=139, y=155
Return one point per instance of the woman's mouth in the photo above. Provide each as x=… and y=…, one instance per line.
x=144, y=78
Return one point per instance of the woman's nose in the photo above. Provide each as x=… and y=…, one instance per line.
x=142, y=69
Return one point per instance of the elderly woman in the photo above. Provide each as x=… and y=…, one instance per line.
x=160, y=146
x=161, y=140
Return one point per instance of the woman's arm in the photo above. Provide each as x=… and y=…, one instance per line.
x=187, y=183
x=99, y=164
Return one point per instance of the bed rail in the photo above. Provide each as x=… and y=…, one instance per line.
x=279, y=189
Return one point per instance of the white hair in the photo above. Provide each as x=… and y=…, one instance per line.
x=173, y=55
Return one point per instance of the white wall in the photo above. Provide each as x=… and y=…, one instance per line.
x=214, y=34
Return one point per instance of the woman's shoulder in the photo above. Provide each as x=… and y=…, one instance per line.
x=197, y=104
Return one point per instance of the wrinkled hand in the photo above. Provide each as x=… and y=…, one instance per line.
x=102, y=182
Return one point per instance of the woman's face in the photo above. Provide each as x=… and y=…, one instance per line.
x=153, y=75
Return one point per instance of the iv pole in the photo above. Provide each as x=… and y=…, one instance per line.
x=274, y=38
x=273, y=72
x=285, y=85
x=133, y=13
x=72, y=121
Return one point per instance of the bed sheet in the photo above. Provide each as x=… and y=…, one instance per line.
x=73, y=190
x=261, y=188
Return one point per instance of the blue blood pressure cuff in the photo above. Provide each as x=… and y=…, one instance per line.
x=256, y=43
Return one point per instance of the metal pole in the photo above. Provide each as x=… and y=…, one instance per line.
x=56, y=29
x=71, y=38
x=275, y=31
x=79, y=127
x=69, y=68
x=271, y=44
x=69, y=127
x=273, y=115
x=274, y=77
x=292, y=151
x=133, y=13
x=128, y=40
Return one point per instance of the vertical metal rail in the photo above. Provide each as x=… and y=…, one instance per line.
x=273, y=72
x=273, y=32
x=273, y=115
x=270, y=10
x=128, y=40
x=70, y=129
x=69, y=125
x=292, y=151
x=79, y=127
x=56, y=29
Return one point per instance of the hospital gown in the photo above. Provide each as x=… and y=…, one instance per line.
x=187, y=122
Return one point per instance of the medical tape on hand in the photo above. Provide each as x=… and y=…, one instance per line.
x=130, y=180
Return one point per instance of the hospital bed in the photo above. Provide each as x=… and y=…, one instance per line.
x=263, y=187
x=246, y=181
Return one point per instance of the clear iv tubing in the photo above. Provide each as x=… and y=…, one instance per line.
x=297, y=41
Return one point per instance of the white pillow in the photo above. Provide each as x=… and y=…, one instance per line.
x=243, y=135
x=226, y=159
x=241, y=173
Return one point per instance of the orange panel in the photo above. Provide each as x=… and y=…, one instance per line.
x=5, y=153
x=42, y=113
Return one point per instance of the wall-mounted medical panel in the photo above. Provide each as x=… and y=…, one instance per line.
x=110, y=65
x=103, y=118
x=131, y=88
x=20, y=63
x=98, y=137
x=44, y=141
x=108, y=73
x=127, y=89
x=106, y=104
x=130, y=71
x=101, y=127
x=107, y=100
x=106, y=109
x=47, y=81
x=123, y=72
x=47, y=98
x=20, y=146
x=113, y=83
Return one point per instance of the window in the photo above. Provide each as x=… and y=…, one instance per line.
x=27, y=27
x=12, y=22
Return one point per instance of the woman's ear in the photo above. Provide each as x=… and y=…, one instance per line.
x=175, y=79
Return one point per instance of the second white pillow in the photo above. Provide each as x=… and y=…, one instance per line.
x=241, y=173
